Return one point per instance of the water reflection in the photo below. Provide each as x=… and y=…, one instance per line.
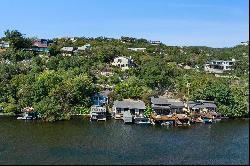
x=83, y=142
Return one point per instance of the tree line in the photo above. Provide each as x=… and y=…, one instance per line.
x=58, y=86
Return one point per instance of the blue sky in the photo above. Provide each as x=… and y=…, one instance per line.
x=214, y=23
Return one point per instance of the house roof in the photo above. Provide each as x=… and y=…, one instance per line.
x=103, y=93
x=159, y=100
x=130, y=104
x=172, y=103
x=210, y=105
x=135, y=48
x=4, y=42
x=123, y=57
x=68, y=49
x=201, y=104
x=161, y=107
x=191, y=103
x=40, y=43
x=82, y=48
x=176, y=104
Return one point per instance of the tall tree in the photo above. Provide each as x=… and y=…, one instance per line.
x=16, y=39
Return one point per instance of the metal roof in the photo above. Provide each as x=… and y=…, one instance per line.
x=160, y=107
x=131, y=104
x=69, y=49
x=201, y=104
x=170, y=102
x=159, y=101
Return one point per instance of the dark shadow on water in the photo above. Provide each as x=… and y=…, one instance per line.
x=80, y=141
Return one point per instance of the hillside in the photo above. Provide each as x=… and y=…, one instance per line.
x=58, y=85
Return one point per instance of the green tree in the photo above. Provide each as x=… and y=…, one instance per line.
x=148, y=111
x=16, y=39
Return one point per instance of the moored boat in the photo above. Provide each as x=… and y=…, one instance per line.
x=207, y=121
x=142, y=120
x=28, y=114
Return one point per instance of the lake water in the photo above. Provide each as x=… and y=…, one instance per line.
x=79, y=141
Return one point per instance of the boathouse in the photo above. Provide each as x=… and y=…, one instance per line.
x=168, y=110
x=203, y=109
x=163, y=106
x=201, y=106
x=128, y=109
x=98, y=111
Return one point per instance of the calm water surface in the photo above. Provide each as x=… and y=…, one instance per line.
x=82, y=142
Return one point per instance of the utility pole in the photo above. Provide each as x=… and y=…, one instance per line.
x=188, y=86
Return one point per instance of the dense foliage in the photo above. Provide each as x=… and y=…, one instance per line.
x=58, y=86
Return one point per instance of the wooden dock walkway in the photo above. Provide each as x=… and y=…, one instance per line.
x=163, y=118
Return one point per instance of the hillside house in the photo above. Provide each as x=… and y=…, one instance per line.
x=155, y=42
x=107, y=72
x=40, y=45
x=67, y=51
x=4, y=44
x=84, y=48
x=125, y=39
x=245, y=43
x=219, y=66
x=137, y=49
x=123, y=62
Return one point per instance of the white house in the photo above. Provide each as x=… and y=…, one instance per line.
x=137, y=49
x=67, y=51
x=245, y=43
x=123, y=62
x=219, y=66
x=4, y=44
x=155, y=42
x=83, y=48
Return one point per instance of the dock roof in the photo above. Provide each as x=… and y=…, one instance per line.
x=201, y=104
x=172, y=103
x=131, y=104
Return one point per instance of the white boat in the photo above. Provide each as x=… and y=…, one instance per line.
x=20, y=118
x=166, y=124
x=142, y=120
x=25, y=118
x=144, y=123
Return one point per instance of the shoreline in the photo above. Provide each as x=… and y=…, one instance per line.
x=86, y=117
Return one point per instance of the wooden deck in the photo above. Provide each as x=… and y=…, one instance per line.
x=163, y=118
x=178, y=119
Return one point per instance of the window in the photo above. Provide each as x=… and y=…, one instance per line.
x=118, y=110
x=119, y=60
